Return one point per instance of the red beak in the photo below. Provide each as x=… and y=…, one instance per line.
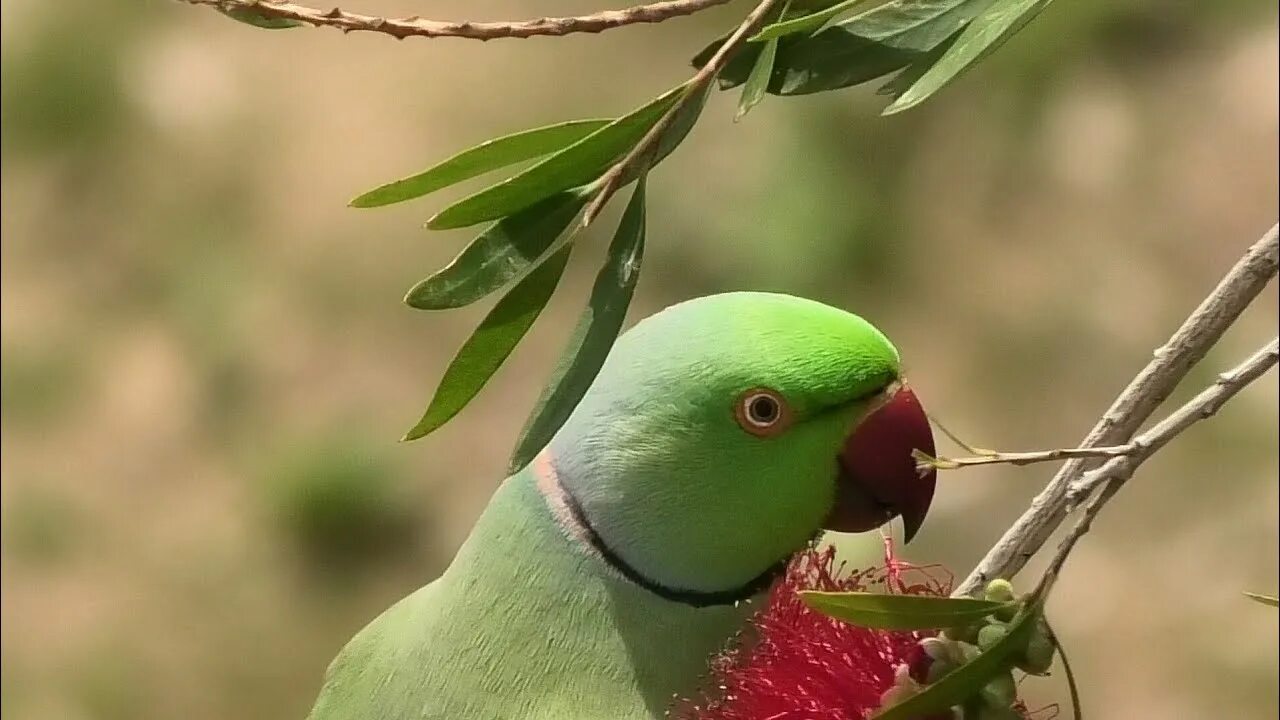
x=878, y=478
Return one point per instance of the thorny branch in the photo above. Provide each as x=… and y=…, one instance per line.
x=1136, y=403
x=642, y=154
x=414, y=26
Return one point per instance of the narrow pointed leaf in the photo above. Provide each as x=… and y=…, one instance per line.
x=249, y=16
x=896, y=35
x=686, y=117
x=487, y=156
x=503, y=252
x=916, y=25
x=900, y=612
x=903, y=81
x=835, y=58
x=594, y=335
x=804, y=23
x=965, y=681
x=491, y=343
x=1264, y=599
x=983, y=35
x=758, y=82
x=575, y=165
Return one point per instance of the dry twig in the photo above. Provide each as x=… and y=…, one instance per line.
x=1116, y=472
x=1201, y=407
x=1172, y=361
x=401, y=28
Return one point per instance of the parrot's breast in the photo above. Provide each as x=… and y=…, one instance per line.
x=529, y=622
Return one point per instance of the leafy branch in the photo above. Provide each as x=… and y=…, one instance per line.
x=779, y=48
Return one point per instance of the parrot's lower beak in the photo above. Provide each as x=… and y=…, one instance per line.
x=878, y=477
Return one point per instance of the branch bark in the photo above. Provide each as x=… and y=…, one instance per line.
x=640, y=156
x=1117, y=472
x=1201, y=330
x=1203, y=406
x=401, y=28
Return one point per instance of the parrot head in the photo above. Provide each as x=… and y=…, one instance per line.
x=724, y=433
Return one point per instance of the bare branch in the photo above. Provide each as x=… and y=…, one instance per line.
x=1201, y=407
x=1116, y=472
x=1172, y=361
x=401, y=28
x=642, y=154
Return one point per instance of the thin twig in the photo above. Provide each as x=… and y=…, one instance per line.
x=414, y=26
x=1185, y=348
x=1201, y=407
x=642, y=154
x=994, y=457
x=1116, y=472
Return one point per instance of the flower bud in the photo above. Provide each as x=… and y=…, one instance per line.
x=999, y=590
x=991, y=634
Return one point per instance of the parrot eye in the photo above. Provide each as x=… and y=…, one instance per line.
x=762, y=412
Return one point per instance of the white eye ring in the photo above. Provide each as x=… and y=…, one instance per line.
x=762, y=412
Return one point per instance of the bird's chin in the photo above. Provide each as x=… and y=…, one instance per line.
x=877, y=477
x=854, y=509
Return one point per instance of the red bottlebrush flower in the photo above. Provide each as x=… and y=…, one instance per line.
x=794, y=663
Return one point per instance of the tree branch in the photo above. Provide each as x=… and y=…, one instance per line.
x=1172, y=361
x=642, y=154
x=1201, y=407
x=1115, y=473
x=401, y=28
x=993, y=457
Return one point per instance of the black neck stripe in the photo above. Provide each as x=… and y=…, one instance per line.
x=693, y=598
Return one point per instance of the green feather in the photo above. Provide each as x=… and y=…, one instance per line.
x=530, y=622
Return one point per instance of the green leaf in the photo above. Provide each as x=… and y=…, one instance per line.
x=804, y=23
x=1264, y=599
x=983, y=35
x=758, y=82
x=594, y=335
x=835, y=58
x=686, y=117
x=889, y=37
x=575, y=165
x=900, y=612
x=487, y=156
x=506, y=250
x=491, y=343
x=249, y=16
x=967, y=680
x=903, y=81
x=915, y=25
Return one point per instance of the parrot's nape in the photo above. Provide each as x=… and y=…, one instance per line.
x=720, y=437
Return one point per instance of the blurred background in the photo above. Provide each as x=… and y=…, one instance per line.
x=206, y=364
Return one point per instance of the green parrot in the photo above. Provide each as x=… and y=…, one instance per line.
x=721, y=436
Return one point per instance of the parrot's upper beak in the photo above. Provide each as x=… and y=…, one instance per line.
x=878, y=477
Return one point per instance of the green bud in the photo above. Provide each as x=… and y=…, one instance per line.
x=1037, y=658
x=999, y=590
x=991, y=634
x=1001, y=692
